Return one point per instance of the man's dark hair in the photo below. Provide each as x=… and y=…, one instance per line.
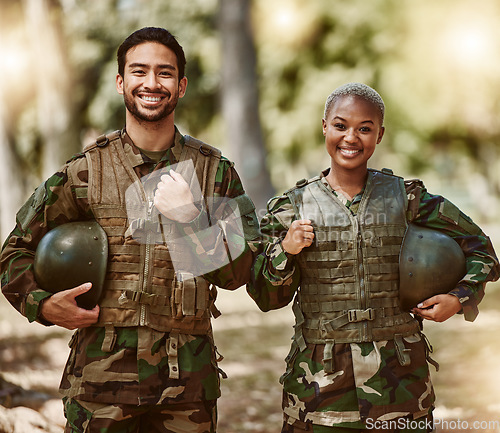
x=151, y=34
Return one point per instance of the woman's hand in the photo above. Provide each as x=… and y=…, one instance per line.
x=300, y=235
x=438, y=308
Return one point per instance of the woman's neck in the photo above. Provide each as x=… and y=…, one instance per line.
x=349, y=183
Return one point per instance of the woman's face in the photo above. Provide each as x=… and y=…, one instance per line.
x=352, y=130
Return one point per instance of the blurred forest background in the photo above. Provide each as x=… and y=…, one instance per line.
x=259, y=73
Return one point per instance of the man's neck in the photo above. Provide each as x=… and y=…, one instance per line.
x=152, y=136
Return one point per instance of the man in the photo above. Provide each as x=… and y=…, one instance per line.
x=177, y=220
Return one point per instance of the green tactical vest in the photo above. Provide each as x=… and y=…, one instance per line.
x=350, y=280
x=141, y=287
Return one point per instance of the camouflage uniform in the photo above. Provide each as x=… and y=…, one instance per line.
x=355, y=382
x=134, y=367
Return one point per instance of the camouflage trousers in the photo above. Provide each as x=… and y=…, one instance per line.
x=402, y=425
x=86, y=417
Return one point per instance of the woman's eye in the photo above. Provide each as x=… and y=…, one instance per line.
x=339, y=126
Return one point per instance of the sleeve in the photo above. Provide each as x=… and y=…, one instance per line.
x=223, y=234
x=50, y=205
x=436, y=212
x=275, y=277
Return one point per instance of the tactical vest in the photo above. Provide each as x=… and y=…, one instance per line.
x=141, y=287
x=350, y=281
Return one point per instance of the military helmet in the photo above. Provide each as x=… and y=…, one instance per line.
x=430, y=263
x=70, y=255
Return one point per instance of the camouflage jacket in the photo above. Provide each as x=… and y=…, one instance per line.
x=368, y=382
x=136, y=370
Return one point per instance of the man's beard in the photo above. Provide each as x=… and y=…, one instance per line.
x=153, y=115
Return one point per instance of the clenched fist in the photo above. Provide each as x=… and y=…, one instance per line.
x=300, y=235
x=174, y=199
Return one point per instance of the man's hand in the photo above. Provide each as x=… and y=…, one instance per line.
x=174, y=199
x=438, y=308
x=61, y=309
x=300, y=235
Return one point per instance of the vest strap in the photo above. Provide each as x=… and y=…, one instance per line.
x=352, y=316
x=428, y=350
x=328, y=357
x=402, y=352
x=299, y=321
x=172, y=352
x=146, y=298
x=109, y=338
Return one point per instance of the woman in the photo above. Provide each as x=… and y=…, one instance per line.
x=358, y=362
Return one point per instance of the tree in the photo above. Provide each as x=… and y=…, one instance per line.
x=56, y=120
x=240, y=100
x=10, y=192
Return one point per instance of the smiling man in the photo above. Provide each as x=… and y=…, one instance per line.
x=177, y=222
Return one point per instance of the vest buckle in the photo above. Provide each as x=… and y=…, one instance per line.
x=205, y=150
x=102, y=141
x=360, y=315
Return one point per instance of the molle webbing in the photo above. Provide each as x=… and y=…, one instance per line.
x=142, y=287
x=350, y=275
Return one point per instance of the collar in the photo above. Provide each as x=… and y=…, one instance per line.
x=136, y=157
x=348, y=203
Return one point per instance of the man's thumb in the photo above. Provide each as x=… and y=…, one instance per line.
x=427, y=303
x=176, y=176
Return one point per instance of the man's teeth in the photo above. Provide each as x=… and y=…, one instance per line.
x=151, y=98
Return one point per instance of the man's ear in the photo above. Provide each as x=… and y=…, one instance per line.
x=182, y=86
x=119, y=84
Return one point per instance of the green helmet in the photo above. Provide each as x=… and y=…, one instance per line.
x=430, y=263
x=70, y=255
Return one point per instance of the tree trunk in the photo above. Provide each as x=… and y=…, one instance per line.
x=11, y=182
x=240, y=101
x=55, y=108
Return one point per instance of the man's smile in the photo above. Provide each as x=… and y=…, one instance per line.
x=150, y=98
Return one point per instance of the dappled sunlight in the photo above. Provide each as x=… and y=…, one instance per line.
x=16, y=64
x=437, y=67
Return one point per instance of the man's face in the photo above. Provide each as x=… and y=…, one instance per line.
x=150, y=84
x=352, y=130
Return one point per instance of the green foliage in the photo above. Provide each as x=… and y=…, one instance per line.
x=427, y=59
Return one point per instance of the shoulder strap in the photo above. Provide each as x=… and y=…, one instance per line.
x=205, y=160
x=296, y=193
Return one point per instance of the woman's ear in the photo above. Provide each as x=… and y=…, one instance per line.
x=380, y=134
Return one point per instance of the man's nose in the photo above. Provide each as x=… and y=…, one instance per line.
x=151, y=81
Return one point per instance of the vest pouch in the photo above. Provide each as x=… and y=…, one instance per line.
x=190, y=296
